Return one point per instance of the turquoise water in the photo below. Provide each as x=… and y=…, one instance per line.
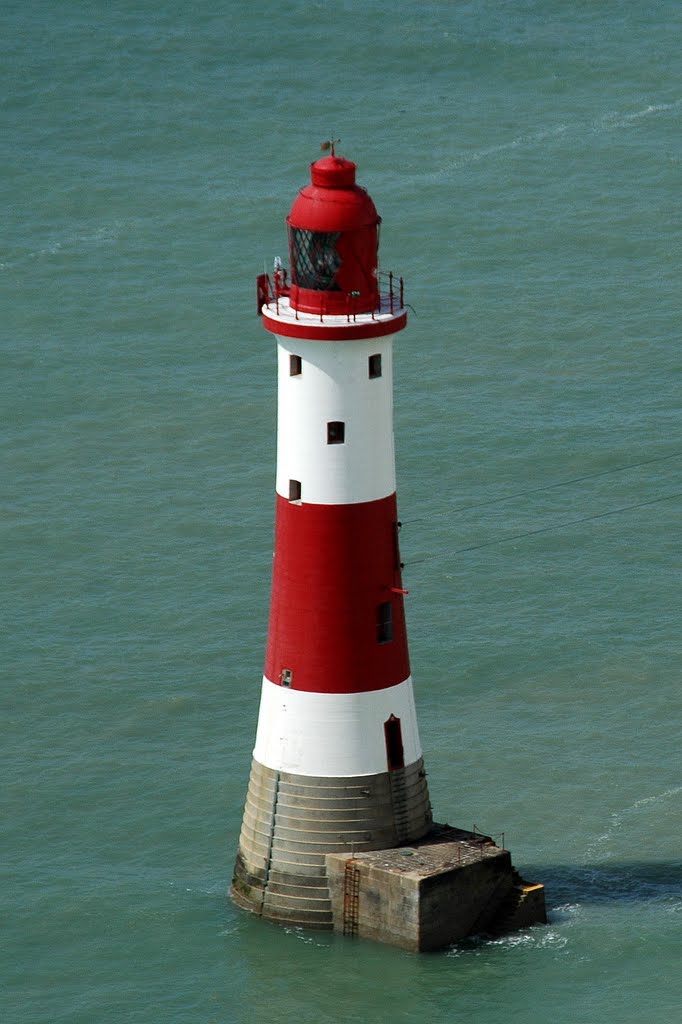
x=525, y=158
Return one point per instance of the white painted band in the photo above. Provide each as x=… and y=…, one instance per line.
x=334, y=386
x=333, y=735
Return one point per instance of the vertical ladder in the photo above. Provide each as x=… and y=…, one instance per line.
x=271, y=838
x=351, y=897
x=401, y=818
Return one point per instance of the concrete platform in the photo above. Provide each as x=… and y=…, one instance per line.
x=432, y=893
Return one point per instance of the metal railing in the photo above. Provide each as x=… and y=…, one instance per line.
x=482, y=837
x=391, y=296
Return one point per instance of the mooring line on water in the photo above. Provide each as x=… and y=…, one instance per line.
x=544, y=487
x=546, y=529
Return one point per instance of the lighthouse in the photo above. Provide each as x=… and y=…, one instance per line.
x=337, y=764
x=337, y=829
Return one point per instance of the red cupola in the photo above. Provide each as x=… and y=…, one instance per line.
x=333, y=243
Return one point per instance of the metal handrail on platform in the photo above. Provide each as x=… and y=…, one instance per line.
x=476, y=832
x=392, y=297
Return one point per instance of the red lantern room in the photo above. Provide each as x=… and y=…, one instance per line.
x=333, y=243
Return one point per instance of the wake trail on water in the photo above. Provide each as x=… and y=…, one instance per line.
x=605, y=875
x=621, y=819
x=68, y=245
x=607, y=122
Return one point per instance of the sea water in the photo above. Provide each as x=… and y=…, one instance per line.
x=525, y=158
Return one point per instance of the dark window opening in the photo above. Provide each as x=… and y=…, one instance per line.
x=287, y=677
x=385, y=623
x=294, y=490
x=314, y=259
x=336, y=432
x=375, y=365
x=395, y=753
x=295, y=366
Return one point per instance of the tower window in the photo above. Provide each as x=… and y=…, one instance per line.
x=294, y=490
x=385, y=623
x=295, y=366
x=375, y=365
x=336, y=432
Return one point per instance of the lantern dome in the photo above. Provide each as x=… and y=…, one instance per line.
x=334, y=242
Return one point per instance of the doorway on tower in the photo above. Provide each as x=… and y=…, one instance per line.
x=395, y=755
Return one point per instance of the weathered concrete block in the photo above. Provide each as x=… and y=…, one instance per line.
x=432, y=893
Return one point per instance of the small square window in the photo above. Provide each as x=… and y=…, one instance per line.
x=294, y=490
x=295, y=366
x=375, y=365
x=336, y=432
x=385, y=623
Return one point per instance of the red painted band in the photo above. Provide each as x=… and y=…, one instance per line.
x=334, y=605
x=335, y=332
